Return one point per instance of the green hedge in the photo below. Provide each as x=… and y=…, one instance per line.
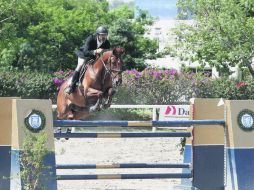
x=27, y=85
x=154, y=86
x=148, y=87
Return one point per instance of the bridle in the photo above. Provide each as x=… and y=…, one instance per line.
x=110, y=71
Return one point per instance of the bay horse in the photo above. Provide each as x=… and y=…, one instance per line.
x=96, y=85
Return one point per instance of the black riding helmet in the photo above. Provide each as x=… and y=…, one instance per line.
x=101, y=30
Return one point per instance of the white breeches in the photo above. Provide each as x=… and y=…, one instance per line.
x=80, y=63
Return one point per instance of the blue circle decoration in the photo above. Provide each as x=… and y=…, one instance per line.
x=245, y=120
x=35, y=121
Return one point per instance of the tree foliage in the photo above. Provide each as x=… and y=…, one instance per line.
x=129, y=33
x=43, y=35
x=222, y=34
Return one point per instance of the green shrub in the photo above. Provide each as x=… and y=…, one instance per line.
x=233, y=89
x=32, y=157
x=154, y=86
x=27, y=85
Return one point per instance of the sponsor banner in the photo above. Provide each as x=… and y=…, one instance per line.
x=174, y=112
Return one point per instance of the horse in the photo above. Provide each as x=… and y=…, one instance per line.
x=96, y=89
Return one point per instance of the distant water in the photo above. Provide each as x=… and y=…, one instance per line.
x=163, y=9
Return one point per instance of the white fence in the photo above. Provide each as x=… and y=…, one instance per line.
x=154, y=107
x=159, y=112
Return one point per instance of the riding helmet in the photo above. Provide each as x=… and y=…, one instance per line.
x=101, y=30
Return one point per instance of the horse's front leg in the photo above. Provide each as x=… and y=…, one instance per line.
x=110, y=92
x=94, y=94
x=96, y=107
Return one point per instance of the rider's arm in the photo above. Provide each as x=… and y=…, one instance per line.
x=106, y=45
x=87, y=47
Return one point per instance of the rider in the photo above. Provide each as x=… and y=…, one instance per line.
x=94, y=45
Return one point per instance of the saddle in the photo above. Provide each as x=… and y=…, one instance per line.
x=83, y=70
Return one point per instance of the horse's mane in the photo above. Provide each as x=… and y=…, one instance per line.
x=117, y=51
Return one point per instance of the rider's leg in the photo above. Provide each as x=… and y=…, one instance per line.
x=71, y=88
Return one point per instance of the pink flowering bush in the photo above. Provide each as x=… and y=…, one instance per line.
x=241, y=84
x=157, y=86
x=151, y=86
x=60, y=76
x=154, y=86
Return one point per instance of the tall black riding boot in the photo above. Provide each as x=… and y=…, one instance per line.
x=70, y=89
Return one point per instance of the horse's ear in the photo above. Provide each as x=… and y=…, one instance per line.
x=118, y=51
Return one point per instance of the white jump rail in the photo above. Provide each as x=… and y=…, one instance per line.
x=154, y=107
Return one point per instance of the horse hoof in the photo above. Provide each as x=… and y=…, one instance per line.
x=68, y=132
x=91, y=109
x=102, y=107
x=59, y=130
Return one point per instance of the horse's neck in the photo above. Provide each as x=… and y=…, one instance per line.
x=101, y=62
x=99, y=66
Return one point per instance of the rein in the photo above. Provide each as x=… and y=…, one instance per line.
x=109, y=70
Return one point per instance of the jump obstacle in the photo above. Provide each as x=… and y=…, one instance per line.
x=217, y=162
x=84, y=124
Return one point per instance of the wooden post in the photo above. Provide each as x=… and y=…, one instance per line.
x=18, y=115
x=208, y=146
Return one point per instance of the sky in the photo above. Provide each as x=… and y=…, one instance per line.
x=163, y=9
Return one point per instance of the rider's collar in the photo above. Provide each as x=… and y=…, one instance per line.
x=98, y=42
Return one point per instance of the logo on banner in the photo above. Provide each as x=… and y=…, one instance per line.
x=171, y=110
x=245, y=119
x=174, y=112
x=35, y=121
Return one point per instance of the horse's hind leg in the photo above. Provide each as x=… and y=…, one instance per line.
x=62, y=111
x=70, y=116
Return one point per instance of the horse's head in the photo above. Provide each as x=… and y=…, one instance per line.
x=115, y=65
